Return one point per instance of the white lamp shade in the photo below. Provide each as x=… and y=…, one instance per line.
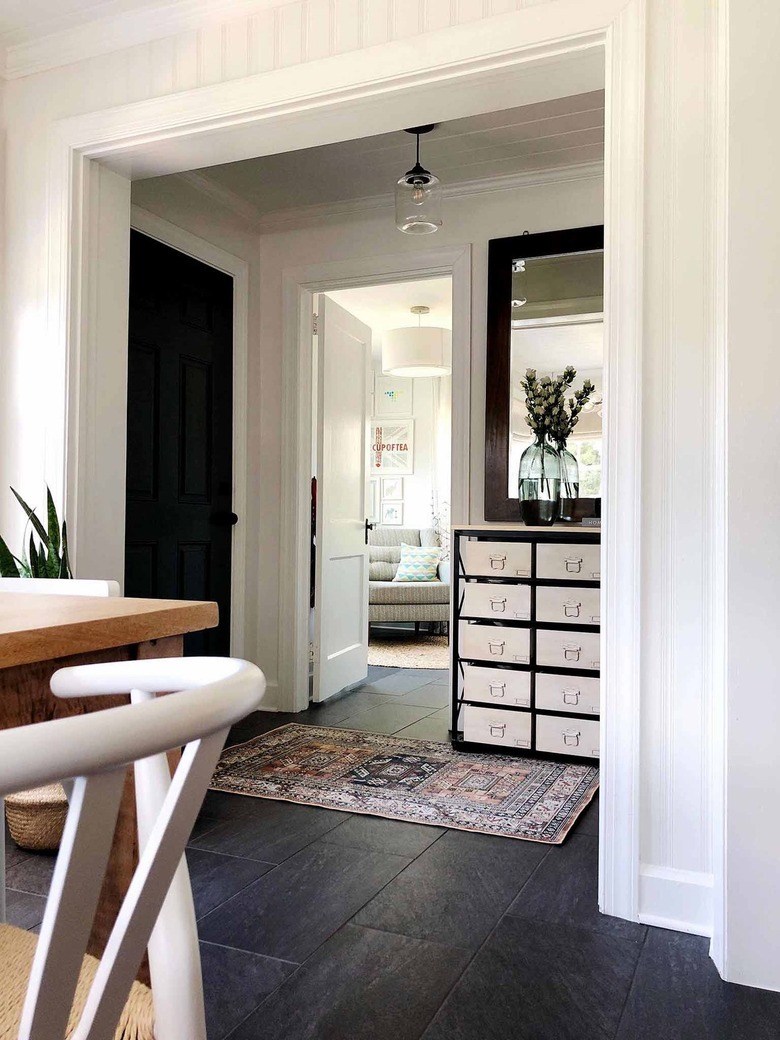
x=417, y=351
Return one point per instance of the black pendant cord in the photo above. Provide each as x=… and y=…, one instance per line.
x=418, y=149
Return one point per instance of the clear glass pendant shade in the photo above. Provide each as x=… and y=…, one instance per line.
x=418, y=198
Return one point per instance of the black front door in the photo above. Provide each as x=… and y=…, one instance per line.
x=179, y=433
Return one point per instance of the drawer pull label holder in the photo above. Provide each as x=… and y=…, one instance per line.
x=571, y=696
x=571, y=737
x=497, y=729
x=573, y=564
x=496, y=647
x=571, y=651
x=498, y=606
x=571, y=609
x=497, y=689
x=497, y=562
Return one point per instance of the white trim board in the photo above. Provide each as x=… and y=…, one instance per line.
x=299, y=284
x=238, y=269
x=676, y=899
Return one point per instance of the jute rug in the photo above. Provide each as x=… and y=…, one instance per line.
x=428, y=652
x=419, y=781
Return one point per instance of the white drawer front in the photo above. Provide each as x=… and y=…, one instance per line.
x=568, y=606
x=568, y=562
x=491, y=643
x=568, y=649
x=567, y=736
x=497, y=686
x=500, y=602
x=573, y=693
x=497, y=559
x=493, y=726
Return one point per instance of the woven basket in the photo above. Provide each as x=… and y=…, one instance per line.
x=36, y=818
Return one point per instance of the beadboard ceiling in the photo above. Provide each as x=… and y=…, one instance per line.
x=550, y=135
x=27, y=19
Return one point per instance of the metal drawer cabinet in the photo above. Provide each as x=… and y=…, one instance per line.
x=497, y=686
x=559, y=605
x=493, y=726
x=568, y=649
x=567, y=736
x=497, y=602
x=569, y=693
x=564, y=562
x=497, y=559
x=502, y=645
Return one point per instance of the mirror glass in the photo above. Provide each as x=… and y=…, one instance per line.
x=557, y=319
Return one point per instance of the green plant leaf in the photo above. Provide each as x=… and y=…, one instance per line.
x=34, y=564
x=52, y=563
x=54, y=523
x=65, y=571
x=40, y=529
x=8, y=567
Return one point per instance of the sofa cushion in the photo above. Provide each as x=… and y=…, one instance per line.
x=386, y=536
x=380, y=571
x=418, y=563
x=408, y=592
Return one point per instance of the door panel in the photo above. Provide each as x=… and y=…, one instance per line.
x=179, y=433
x=341, y=614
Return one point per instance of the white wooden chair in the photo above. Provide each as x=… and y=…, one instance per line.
x=94, y=751
x=46, y=587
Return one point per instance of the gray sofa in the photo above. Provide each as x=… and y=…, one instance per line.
x=390, y=600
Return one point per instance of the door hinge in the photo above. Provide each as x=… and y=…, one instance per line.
x=311, y=653
x=314, y=324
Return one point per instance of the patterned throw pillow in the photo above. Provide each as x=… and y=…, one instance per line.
x=418, y=563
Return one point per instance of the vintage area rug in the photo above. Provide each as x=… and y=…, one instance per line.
x=418, y=781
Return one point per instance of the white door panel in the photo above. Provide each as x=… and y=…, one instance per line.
x=341, y=606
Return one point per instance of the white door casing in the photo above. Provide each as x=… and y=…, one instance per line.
x=341, y=605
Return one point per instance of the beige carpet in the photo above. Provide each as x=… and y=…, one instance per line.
x=422, y=652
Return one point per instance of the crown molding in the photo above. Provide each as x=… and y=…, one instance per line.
x=25, y=53
x=353, y=209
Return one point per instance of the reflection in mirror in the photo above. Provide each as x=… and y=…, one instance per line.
x=557, y=320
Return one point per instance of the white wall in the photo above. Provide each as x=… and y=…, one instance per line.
x=683, y=583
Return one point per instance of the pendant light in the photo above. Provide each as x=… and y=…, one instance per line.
x=418, y=195
x=420, y=350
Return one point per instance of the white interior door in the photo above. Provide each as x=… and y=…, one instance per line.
x=341, y=604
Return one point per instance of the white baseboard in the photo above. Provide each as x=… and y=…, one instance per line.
x=271, y=700
x=680, y=900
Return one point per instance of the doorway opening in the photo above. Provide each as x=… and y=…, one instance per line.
x=382, y=479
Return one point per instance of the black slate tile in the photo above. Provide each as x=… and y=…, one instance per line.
x=204, y=823
x=294, y=908
x=393, y=836
x=268, y=831
x=678, y=993
x=234, y=983
x=256, y=724
x=402, y=682
x=379, y=671
x=565, y=890
x=541, y=981
x=588, y=823
x=215, y=877
x=23, y=909
x=29, y=871
x=386, y=718
x=362, y=984
x=432, y=695
x=432, y=727
x=332, y=712
x=455, y=891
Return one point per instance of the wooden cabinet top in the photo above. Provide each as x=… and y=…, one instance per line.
x=39, y=628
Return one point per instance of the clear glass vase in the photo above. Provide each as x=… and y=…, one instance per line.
x=539, y=484
x=570, y=484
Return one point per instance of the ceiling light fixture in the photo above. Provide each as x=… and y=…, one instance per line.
x=418, y=195
x=417, y=350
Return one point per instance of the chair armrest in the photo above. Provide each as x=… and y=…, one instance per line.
x=444, y=571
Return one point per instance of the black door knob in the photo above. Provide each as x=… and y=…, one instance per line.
x=223, y=519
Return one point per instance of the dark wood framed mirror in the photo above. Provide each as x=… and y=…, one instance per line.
x=545, y=305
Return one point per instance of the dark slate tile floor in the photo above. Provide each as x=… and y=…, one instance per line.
x=320, y=925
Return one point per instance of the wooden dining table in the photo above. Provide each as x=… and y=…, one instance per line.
x=41, y=633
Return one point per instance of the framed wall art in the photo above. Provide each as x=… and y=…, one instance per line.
x=392, y=447
x=393, y=396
